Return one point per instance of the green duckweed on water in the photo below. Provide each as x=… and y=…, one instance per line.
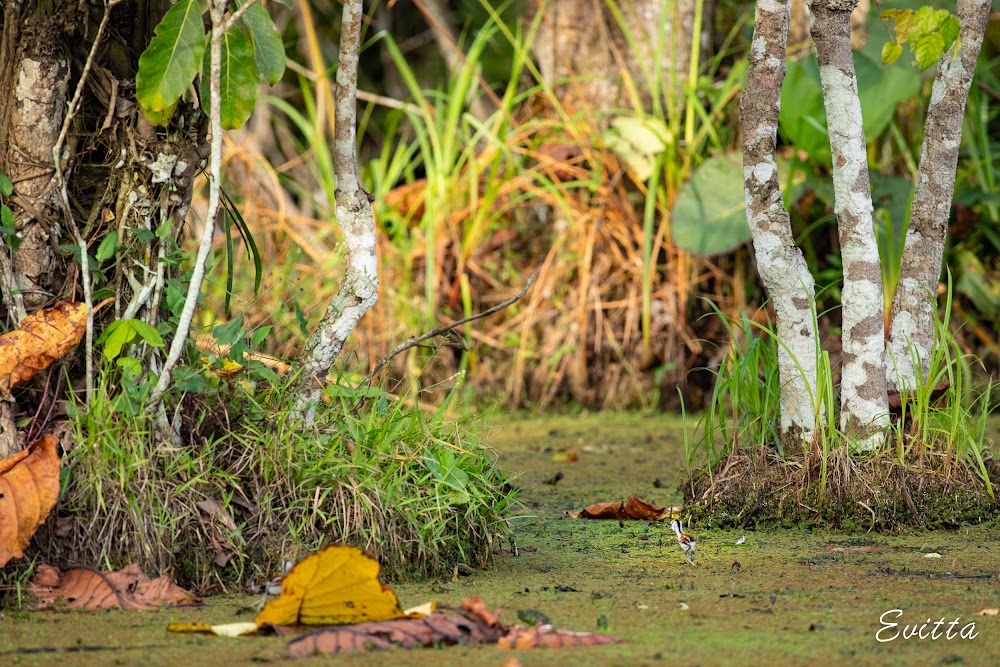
x=783, y=597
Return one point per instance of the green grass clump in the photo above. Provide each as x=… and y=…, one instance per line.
x=228, y=505
x=934, y=467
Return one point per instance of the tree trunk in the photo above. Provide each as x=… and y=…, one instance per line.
x=122, y=175
x=914, y=312
x=583, y=40
x=863, y=394
x=780, y=263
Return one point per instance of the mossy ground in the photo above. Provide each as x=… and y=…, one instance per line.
x=797, y=597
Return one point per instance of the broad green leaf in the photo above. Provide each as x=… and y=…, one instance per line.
x=927, y=48
x=107, y=248
x=171, y=61
x=6, y=187
x=116, y=337
x=949, y=31
x=287, y=3
x=259, y=335
x=228, y=333
x=268, y=49
x=7, y=219
x=147, y=333
x=238, y=82
x=802, y=119
x=709, y=216
x=891, y=51
x=881, y=89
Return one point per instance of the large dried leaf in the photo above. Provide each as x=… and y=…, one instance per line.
x=29, y=487
x=44, y=337
x=635, y=508
x=129, y=589
x=337, y=585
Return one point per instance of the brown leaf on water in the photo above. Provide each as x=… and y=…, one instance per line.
x=451, y=626
x=635, y=508
x=29, y=487
x=43, y=338
x=545, y=636
x=473, y=623
x=129, y=589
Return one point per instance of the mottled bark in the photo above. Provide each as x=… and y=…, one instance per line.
x=863, y=396
x=798, y=32
x=914, y=307
x=782, y=268
x=583, y=41
x=359, y=289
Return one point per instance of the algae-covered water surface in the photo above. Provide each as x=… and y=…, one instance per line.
x=785, y=597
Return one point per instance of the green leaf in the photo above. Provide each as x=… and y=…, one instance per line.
x=268, y=49
x=171, y=61
x=287, y=3
x=259, y=335
x=638, y=140
x=802, y=119
x=118, y=334
x=9, y=229
x=709, y=216
x=147, y=333
x=238, y=82
x=927, y=48
x=881, y=89
x=6, y=187
x=891, y=51
x=228, y=333
x=949, y=31
x=107, y=248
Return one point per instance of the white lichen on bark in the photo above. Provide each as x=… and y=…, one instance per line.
x=863, y=395
x=359, y=289
x=914, y=311
x=780, y=263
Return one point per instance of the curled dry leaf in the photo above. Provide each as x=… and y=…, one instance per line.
x=337, y=585
x=634, y=508
x=473, y=623
x=129, y=589
x=44, y=337
x=29, y=487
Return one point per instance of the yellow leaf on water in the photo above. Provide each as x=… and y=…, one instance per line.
x=336, y=586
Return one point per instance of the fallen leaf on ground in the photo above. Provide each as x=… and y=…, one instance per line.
x=337, y=585
x=857, y=550
x=565, y=457
x=29, y=488
x=43, y=337
x=545, y=636
x=634, y=508
x=993, y=611
x=472, y=623
x=129, y=589
x=933, y=555
x=243, y=629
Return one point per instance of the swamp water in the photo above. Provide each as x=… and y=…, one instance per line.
x=799, y=597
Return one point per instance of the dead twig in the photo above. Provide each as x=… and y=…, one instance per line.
x=412, y=342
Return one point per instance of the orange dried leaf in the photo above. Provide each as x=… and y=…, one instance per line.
x=337, y=585
x=44, y=337
x=29, y=487
x=635, y=509
x=129, y=589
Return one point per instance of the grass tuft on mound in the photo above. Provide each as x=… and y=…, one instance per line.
x=934, y=469
x=225, y=508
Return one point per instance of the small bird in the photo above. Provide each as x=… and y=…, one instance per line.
x=686, y=541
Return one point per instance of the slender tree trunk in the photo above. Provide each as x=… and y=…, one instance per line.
x=863, y=396
x=359, y=289
x=780, y=263
x=914, y=307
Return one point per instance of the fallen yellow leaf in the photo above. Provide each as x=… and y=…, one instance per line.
x=336, y=586
x=225, y=630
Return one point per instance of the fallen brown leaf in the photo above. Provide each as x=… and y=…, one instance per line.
x=545, y=636
x=992, y=611
x=29, y=488
x=44, y=337
x=635, y=508
x=129, y=589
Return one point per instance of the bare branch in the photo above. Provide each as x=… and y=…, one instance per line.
x=413, y=342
